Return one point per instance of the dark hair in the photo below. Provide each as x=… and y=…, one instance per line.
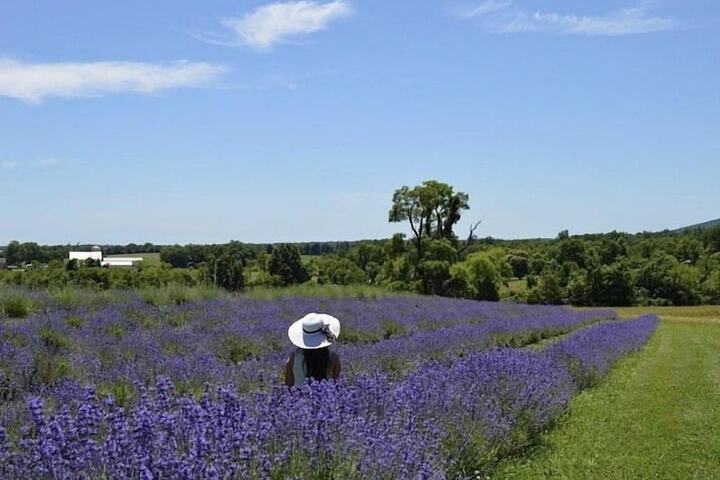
x=317, y=362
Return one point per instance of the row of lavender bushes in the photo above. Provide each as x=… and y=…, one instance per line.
x=439, y=421
x=115, y=346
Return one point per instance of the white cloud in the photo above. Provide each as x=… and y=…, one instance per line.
x=273, y=23
x=484, y=8
x=499, y=16
x=44, y=162
x=31, y=82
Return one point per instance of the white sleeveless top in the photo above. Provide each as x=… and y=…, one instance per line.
x=300, y=369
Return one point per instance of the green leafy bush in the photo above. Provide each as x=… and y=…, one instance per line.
x=17, y=305
x=49, y=369
x=54, y=341
x=238, y=349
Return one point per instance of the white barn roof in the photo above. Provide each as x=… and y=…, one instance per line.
x=82, y=256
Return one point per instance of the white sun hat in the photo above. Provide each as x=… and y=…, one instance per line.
x=314, y=330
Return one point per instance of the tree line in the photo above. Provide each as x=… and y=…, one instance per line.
x=613, y=269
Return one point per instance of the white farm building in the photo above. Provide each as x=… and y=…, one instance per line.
x=96, y=254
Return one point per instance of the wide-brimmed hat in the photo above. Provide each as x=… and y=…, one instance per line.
x=314, y=330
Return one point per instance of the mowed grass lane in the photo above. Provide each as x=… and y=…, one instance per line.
x=656, y=416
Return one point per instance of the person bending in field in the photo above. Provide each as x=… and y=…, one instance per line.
x=312, y=359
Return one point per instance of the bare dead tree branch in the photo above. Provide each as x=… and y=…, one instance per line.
x=471, y=237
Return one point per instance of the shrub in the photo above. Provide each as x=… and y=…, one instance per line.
x=115, y=330
x=285, y=262
x=68, y=297
x=519, y=263
x=338, y=271
x=711, y=288
x=664, y=278
x=17, y=305
x=482, y=273
x=579, y=289
x=122, y=392
x=434, y=274
x=75, y=321
x=49, y=369
x=392, y=328
x=548, y=290
x=227, y=272
x=613, y=285
x=237, y=349
x=53, y=340
x=352, y=335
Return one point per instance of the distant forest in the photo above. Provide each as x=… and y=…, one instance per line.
x=680, y=267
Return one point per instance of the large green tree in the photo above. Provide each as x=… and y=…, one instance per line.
x=12, y=252
x=431, y=209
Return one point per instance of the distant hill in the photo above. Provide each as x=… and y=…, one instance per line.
x=700, y=226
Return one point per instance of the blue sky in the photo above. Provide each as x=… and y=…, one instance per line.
x=178, y=121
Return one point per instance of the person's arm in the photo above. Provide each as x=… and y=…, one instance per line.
x=289, y=377
x=335, y=366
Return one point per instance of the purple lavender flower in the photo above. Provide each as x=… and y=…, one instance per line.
x=431, y=388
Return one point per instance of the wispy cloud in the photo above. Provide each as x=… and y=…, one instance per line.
x=32, y=82
x=270, y=24
x=44, y=162
x=490, y=6
x=502, y=16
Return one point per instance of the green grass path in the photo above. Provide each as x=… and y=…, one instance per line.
x=656, y=416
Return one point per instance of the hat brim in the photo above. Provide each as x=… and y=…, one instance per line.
x=312, y=341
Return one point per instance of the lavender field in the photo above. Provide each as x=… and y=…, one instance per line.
x=431, y=388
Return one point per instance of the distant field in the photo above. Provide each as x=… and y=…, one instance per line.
x=657, y=414
x=696, y=314
x=148, y=258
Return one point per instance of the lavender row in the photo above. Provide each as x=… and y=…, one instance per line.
x=117, y=363
x=441, y=421
x=244, y=341
x=395, y=356
x=589, y=353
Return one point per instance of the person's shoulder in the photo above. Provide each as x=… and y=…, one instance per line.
x=334, y=357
